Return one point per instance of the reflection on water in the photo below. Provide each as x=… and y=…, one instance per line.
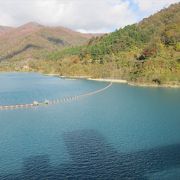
x=92, y=157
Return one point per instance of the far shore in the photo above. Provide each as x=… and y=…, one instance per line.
x=135, y=84
x=121, y=81
x=153, y=85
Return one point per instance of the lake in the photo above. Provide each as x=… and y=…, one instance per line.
x=124, y=132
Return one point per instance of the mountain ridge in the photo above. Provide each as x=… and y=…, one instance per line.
x=13, y=40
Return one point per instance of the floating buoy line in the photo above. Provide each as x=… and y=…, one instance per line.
x=55, y=101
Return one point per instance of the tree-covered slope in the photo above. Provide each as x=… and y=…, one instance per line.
x=161, y=29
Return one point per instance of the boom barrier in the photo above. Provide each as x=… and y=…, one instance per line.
x=55, y=101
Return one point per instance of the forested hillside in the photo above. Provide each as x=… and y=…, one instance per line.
x=147, y=52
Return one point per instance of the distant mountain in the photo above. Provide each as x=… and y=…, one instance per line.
x=4, y=29
x=32, y=37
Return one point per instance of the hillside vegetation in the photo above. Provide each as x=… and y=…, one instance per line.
x=147, y=52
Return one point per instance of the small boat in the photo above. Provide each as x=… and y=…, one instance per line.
x=35, y=103
x=46, y=102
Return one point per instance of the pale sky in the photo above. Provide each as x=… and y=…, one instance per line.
x=81, y=15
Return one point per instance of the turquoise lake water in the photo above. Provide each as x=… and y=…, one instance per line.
x=124, y=132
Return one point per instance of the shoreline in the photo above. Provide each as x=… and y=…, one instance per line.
x=109, y=80
x=153, y=85
x=121, y=81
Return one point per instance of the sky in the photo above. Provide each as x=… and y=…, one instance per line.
x=88, y=16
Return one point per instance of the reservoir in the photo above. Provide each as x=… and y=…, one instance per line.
x=124, y=132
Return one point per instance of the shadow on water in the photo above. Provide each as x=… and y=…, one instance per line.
x=93, y=158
